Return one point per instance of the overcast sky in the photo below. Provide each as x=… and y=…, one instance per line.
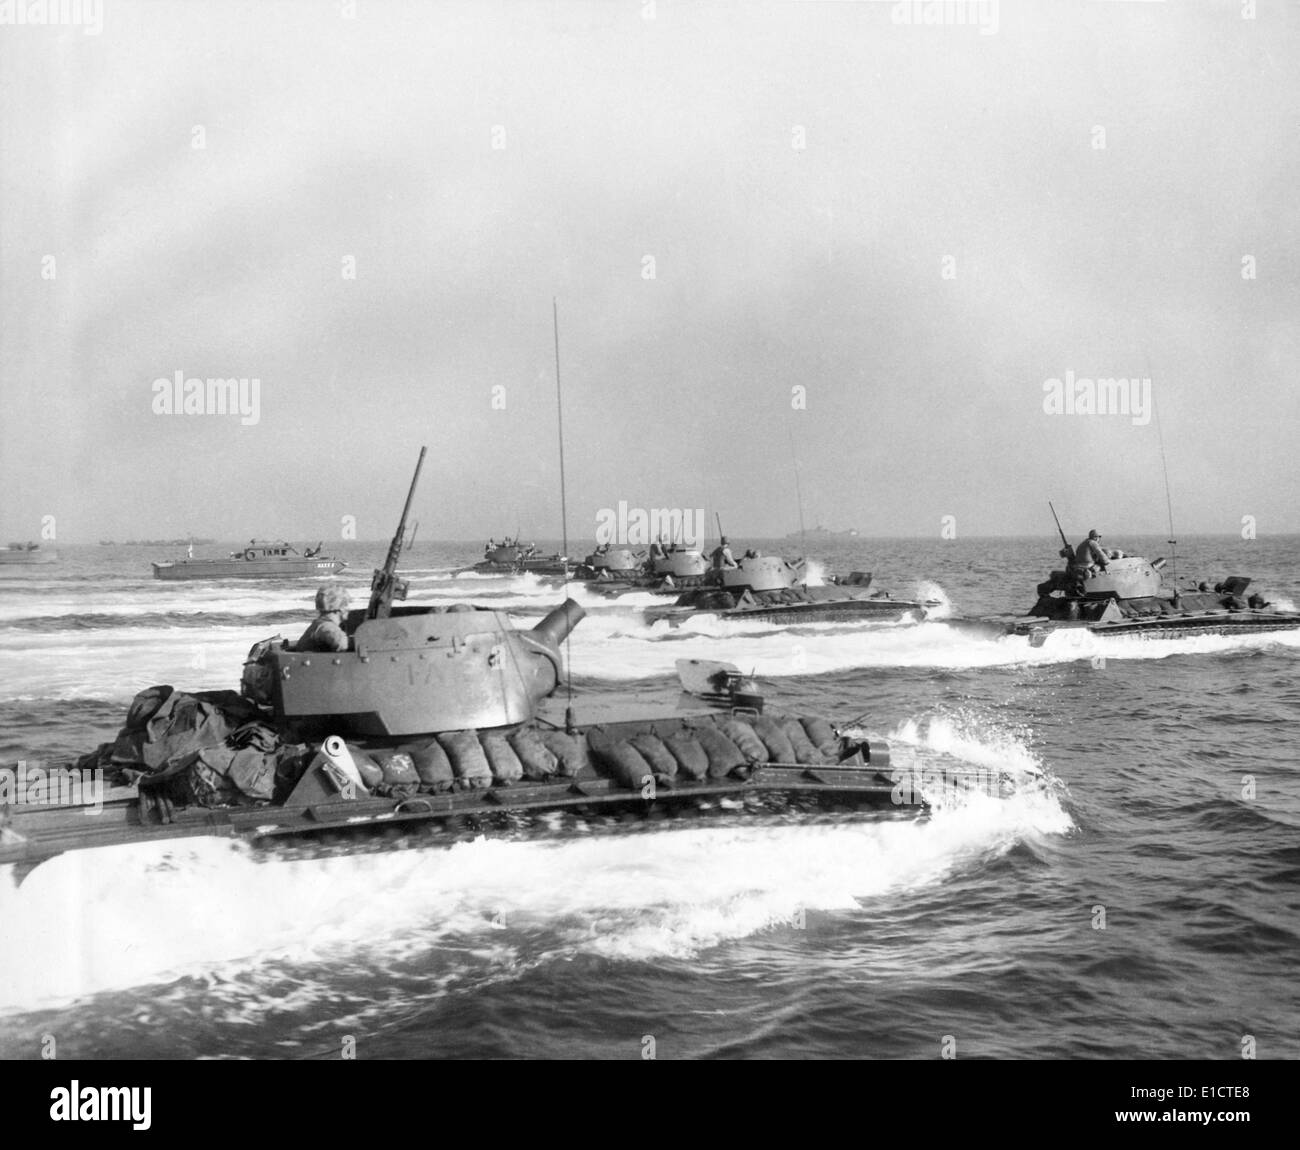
x=918, y=226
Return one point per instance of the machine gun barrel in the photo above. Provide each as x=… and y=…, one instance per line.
x=385, y=586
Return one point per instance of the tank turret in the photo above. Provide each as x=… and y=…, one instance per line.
x=1069, y=594
x=682, y=564
x=1127, y=578
x=422, y=670
x=763, y=573
x=617, y=561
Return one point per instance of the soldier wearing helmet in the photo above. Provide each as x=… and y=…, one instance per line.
x=722, y=557
x=1089, y=556
x=326, y=631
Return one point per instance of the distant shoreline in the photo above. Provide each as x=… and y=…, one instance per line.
x=547, y=541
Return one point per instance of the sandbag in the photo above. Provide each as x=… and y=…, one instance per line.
x=371, y=773
x=724, y=756
x=571, y=752
x=537, y=761
x=617, y=759
x=398, y=768
x=822, y=736
x=468, y=762
x=777, y=742
x=749, y=744
x=692, y=760
x=502, y=760
x=432, y=766
x=652, y=749
x=804, y=751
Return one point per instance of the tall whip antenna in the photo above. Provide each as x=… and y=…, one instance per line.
x=564, y=515
x=559, y=413
x=798, y=492
x=1169, y=502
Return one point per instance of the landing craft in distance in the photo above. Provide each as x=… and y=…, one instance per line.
x=259, y=560
x=26, y=555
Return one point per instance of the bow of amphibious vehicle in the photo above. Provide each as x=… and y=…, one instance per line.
x=1128, y=597
x=432, y=723
x=426, y=676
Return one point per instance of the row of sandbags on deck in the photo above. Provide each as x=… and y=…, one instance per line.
x=699, y=748
x=214, y=748
x=470, y=760
x=713, y=747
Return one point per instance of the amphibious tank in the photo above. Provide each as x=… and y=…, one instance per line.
x=431, y=724
x=511, y=557
x=775, y=590
x=1129, y=597
x=678, y=569
x=617, y=564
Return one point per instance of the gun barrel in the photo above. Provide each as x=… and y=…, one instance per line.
x=557, y=625
x=410, y=495
x=383, y=584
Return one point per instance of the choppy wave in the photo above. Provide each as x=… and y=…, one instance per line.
x=127, y=916
x=1179, y=820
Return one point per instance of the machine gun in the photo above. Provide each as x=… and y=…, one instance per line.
x=386, y=586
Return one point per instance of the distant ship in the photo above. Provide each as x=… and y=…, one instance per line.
x=256, y=561
x=161, y=542
x=820, y=532
x=26, y=555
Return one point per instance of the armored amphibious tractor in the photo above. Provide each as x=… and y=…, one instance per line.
x=1128, y=597
x=510, y=557
x=775, y=590
x=427, y=724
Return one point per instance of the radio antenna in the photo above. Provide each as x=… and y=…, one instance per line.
x=1169, y=502
x=559, y=418
x=798, y=492
x=564, y=514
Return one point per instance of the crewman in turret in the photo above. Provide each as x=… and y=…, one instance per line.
x=326, y=631
x=722, y=557
x=657, y=549
x=1090, y=556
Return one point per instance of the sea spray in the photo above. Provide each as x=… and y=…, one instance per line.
x=148, y=913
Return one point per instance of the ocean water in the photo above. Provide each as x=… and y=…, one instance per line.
x=1142, y=900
